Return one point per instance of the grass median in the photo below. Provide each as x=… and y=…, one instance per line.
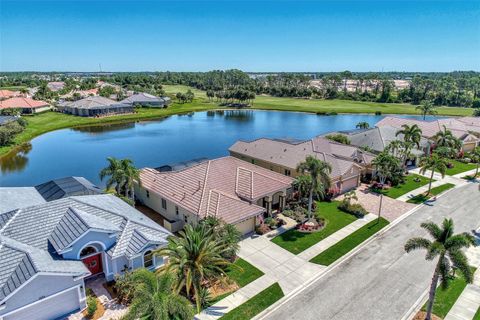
x=256, y=304
x=421, y=198
x=348, y=243
x=411, y=182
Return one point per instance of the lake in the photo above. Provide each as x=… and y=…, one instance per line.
x=82, y=151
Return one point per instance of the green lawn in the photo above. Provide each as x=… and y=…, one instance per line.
x=347, y=244
x=242, y=273
x=459, y=167
x=409, y=185
x=296, y=241
x=13, y=88
x=256, y=304
x=477, y=315
x=421, y=198
x=446, y=298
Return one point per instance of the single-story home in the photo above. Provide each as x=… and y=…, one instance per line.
x=56, y=85
x=283, y=156
x=48, y=249
x=146, y=99
x=378, y=138
x=464, y=130
x=95, y=106
x=80, y=93
x=27, y=105
x=5, y=94
x=233, y=190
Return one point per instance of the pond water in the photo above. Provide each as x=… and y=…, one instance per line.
x=82, y=152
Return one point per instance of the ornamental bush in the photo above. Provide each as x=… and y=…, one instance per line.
x=91, y=306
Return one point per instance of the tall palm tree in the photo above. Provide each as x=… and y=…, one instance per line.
x=131, y=174
x=154, y=298
x=319, y=172
x=426, y=107
x=363, y=125
x=115, y=172
x=302, y=184
x=445, y=138
x=395, y=147
x=434, y=163
x=195, y=256
x=412, y=136
x=385, y=166
x=448, y=248
x=475, y=156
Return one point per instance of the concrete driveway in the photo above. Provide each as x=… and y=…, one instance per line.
x=381, y=281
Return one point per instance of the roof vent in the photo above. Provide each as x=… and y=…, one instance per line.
x=284, y=150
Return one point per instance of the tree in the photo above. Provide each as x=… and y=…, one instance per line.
x=445, y=138
x=224, y=233
x=448, y=248
x=386, y=166
x=319, y=172
x=338, y=137
x=426, y=107
x=114, y=170
x=302, y=184
x=475, y=156
x=363, y=125
x=412, y=136
x=195, y=256
x=434, y=163
x=153, y=297
x=130, y=175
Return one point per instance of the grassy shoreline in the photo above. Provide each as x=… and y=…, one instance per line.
x=51, y=121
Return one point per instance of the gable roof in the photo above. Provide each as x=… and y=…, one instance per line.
x=23, y=103
x=143, y=97
x=65, y=187
x=223, y=186
x=12, y=198
x=4, y=94
x=94, y=102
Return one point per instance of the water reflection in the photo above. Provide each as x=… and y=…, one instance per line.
x=105, y=128
x=239, y=115
x=16, y=160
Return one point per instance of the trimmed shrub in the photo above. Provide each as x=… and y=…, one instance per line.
x=355, y=209
x=91, y=306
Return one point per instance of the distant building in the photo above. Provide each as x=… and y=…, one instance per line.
x=95, y=107
x=66, y=187
x=146, y=99
x=27, y=105
x=80, y=93
x=5, y=94
x=56, y=85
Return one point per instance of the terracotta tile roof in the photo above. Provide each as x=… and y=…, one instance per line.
x=4, y=94
x=223, y=187
x=19, y=102
x=339, y=156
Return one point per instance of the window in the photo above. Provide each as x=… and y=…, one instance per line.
x=87, y=251
x=164, y=204
x=185, y=218
x=148, y=259
x=176, y=210
x=148, y=194
x=287, y=172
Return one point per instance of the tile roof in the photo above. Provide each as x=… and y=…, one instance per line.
x=223, y=187
x=143, y=98
x=24, y=103
x=340, y=156
x=94, y=102
x=65, y=187
x=12, y=198
x=30, y=236
x=4, y=94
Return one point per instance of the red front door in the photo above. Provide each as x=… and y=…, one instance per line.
x=94, y=263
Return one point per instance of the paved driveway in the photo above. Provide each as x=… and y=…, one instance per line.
x=381, y=281
x=391, y=208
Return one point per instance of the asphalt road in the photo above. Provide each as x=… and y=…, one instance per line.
x=381, y=281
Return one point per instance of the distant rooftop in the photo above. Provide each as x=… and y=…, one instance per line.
x=180, y=165
x=66, y=187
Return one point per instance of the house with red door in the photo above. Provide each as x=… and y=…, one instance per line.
x=50, y=243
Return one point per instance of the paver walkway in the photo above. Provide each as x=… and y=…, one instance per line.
x=469, y=301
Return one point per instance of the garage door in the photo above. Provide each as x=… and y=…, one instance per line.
x=349, y=184
x=49, y=309
x=246, y=226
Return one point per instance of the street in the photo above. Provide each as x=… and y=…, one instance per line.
x=381, y=281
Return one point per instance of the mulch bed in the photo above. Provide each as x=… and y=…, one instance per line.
x=98, y=313
x=421, y=316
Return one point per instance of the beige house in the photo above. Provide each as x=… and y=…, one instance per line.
x=233, y=190
x=466, y=129
x=283, y=156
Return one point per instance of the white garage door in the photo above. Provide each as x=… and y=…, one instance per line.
x=349, y=184
x=246, y=226
x=49, y=309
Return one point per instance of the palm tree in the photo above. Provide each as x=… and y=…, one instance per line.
x=434, y=163
x=394, y=147
x=114, y=170
x=363, y=125
x=445, y=138
x=195, y=256
x=412, y=136
x=475, y=156
x=154, y=298
x=427, y=107
x=448, y=248
x=131, y=174
x=385, y=166
x=302, y=185
x=319, y=172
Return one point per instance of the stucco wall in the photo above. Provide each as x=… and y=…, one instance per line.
x=89, y=237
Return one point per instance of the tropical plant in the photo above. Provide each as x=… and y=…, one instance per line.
x=363, y=125
x=475, y=158
x=130, y=175
x=445, y=138
x=319, y=172
x=155, y=299
x=386, y=166
x=114, y=171
x=224, y=233
x=302, y=184
x=338, y=137
x=427, y=107
x=195, y=256
x=395, y=148
x=448, y=248
x=434, y=162
x=412, y=136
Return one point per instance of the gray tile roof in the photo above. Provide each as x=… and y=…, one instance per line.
x=30, y=236
x=143, y=97
x=95, y=102
x=17, y=197
x=65, y=187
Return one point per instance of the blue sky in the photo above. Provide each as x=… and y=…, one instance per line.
x=248, y=35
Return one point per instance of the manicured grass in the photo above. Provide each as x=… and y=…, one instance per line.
x=435, y=191
x=13, y=88
x=347, y=244
x=459, y=167
x=242, y=273
x=477, y=315
x=446, y=298
x=409, y=185
x=296, y=241
x=256, y=304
